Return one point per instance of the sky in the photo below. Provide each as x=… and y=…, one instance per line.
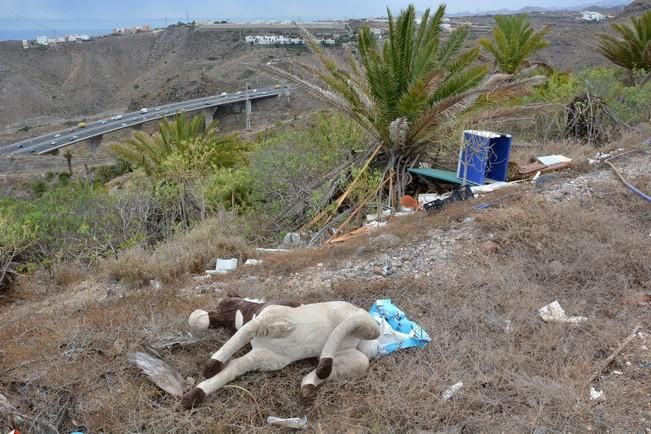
x=21, y=11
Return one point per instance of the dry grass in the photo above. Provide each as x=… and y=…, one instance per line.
x=62, y=365
x=185, y=254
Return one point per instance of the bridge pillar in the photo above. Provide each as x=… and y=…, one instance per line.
x=209, y=114
x=94, y=142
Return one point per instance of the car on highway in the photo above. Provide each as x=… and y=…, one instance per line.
x=143, y=110
x=19, y=145
x=82, y=124
x=157, y=108
x=53, y=143
x=254, y=90
x=223, y=94
x=73, y=138
x=123, y=124
x=56, y=136
x=102, y=122
x=238, y=92
x=116, y=118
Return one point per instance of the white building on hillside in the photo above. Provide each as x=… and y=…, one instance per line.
x=592, y=16
x=41, y=40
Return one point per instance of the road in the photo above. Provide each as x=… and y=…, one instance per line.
x=59, y=139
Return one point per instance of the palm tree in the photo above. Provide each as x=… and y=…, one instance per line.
x=68, y=156
x=514, y=42
x=407, y=93
x=182, y=149
x=633, y=50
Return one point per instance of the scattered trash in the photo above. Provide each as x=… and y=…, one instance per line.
x=154, y=284
x=618, y=373
x=429, y=197
x=645, y=365
x=408, y=203
x=484, y=156
x=550, y=160
x=458, y=194
x=397, y=331
x=596, y=394
x=162, y=374
x=488, y=188
x=374, y=224
x=374, y=217
x=253, y=261
x=553, y=312
x=292, y=423
x=224, y=266
x=451, y=391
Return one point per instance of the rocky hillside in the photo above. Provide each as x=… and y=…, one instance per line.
x=119, y=72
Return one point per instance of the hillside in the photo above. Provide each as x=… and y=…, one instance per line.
x=473, y=279
x=40, y=86
x=114, y=73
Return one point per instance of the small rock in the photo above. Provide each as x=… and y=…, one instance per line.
x=489, y=247
x=385, y=240
x=377, y=270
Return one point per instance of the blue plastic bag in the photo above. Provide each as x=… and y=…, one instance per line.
x=398, y=331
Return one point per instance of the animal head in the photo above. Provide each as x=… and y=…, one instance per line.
x=232, y=312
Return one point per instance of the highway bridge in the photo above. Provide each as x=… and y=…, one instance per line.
x=93, y=131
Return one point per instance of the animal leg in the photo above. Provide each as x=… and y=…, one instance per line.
x=252, y=361
x=261, y=326
x=361, y=326
x=347, y=363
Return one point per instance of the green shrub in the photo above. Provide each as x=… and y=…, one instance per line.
x=292, y=165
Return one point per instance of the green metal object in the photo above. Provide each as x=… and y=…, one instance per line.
x=439, y=175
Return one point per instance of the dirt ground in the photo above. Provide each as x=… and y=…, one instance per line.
x=473, y=280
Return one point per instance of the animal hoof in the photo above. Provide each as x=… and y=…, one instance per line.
x=192, y=398
x=308, y=393
x=324, y=369
x=212, y=368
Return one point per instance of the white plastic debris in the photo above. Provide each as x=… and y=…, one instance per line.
x=154, y=284
x=487, y=188
x=374, y=225
x=429, y=197
x=596, y=394
x=373, y=217
x=253, y=261
x=292, y=423
x=224, y=266
x=618, y=373
x=553, y=312
x=549, y=160
x=451, y=391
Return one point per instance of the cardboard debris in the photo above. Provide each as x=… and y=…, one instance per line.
x=553, y=312
x=550, y=160
x=162, y=374
x=291, y=423
x=224, y=266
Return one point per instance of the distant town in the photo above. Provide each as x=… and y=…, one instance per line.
x=270, y=39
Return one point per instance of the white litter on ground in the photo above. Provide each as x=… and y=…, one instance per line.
x=553, y=312
x=451, y=391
